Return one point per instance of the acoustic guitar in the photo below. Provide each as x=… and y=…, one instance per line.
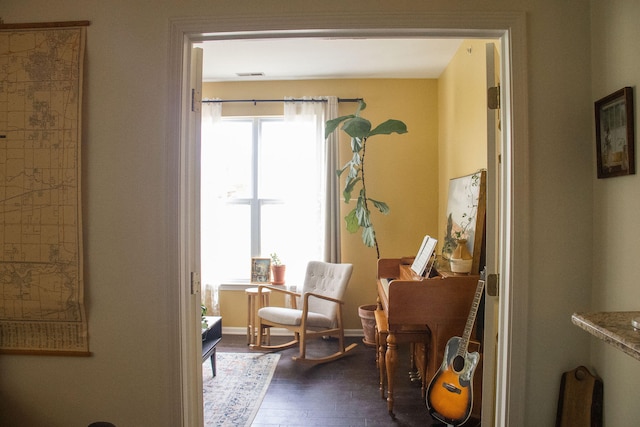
x=450, y=392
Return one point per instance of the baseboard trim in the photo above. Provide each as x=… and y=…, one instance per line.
x=278, y=332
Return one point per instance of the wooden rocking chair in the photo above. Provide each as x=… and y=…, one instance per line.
x=320, y=315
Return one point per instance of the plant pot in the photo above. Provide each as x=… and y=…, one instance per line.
x=368, y=319
x=277, y=274
x=461, y=259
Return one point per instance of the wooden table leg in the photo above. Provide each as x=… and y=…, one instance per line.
x=256, y=300
x=391, y=362
x=252, y=308
x=249, y=318
x=266, y=336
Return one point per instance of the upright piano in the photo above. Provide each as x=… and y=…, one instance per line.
x=439, y=305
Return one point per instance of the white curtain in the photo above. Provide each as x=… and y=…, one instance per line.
x=332, y=232
x=211, y=115
x=319, y=112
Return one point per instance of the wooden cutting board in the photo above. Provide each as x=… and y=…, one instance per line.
x=580, y=399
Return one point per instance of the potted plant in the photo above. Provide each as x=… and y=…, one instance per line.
x=360, y=130
x=277, y=270
x=203, y=313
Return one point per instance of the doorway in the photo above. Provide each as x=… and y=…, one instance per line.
x=509, y=29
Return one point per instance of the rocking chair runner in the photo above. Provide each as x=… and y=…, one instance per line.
x=320, y=315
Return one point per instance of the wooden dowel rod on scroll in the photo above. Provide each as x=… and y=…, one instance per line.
x=25, y=26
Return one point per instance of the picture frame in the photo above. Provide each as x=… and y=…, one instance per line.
x=260, y=270
x=466, y=216
x=615, y=142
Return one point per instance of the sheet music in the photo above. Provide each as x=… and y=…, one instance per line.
x=424, y=255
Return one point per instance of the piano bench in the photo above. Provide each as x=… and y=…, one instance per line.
x=410, y=335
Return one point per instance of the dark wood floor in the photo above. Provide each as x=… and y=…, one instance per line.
x=341, y=393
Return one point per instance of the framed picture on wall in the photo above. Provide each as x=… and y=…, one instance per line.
x=260, y=270
x=615, y=145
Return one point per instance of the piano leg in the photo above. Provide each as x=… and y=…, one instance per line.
x=381, y=343
x=391, y=363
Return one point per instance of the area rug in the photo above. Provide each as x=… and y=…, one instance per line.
x=234, y=395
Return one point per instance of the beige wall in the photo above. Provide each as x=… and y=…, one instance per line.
x=401, y=170
x=132, y=377
x=615, y=286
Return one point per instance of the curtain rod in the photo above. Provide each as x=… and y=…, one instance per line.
x=255, y=101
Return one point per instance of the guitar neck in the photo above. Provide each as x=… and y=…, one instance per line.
x=464, y=344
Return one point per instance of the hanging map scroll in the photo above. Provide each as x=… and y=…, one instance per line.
x=41, y=278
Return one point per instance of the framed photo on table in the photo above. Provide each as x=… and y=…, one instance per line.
x=260, y=270
x=615, y=144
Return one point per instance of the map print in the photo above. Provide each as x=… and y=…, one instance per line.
x=41, y=283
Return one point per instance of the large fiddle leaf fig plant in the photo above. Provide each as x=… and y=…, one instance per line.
x=360, y=130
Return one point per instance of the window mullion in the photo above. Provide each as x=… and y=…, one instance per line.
x=255, y=201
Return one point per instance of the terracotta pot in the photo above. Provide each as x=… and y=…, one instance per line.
x=368, y=318
x=277, y=274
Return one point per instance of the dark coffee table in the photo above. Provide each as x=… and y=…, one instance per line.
x=211, y=336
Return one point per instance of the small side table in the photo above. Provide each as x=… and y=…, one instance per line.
x=252, y=315
x=211, y=336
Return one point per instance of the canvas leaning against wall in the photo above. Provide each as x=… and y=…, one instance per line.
x=466, y=212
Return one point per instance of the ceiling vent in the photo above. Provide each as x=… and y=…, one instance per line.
x=257, y=74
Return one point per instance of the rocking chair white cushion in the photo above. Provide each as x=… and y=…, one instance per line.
x=293, y=317
x=321, y=313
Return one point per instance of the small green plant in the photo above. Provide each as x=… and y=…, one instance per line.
x=360, y=130
x=203, y=313
x=275, y=259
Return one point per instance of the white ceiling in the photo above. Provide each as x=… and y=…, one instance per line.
x=323, y=58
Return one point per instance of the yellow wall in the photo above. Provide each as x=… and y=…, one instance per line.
x=402, y=170
x=462, y=115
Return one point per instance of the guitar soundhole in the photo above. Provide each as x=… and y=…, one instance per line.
x=458, y=363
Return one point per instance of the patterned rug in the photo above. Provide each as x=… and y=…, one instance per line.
x=234, y=395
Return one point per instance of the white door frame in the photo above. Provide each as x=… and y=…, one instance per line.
x=513, y=215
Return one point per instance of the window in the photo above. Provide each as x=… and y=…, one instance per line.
x=261, y=192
